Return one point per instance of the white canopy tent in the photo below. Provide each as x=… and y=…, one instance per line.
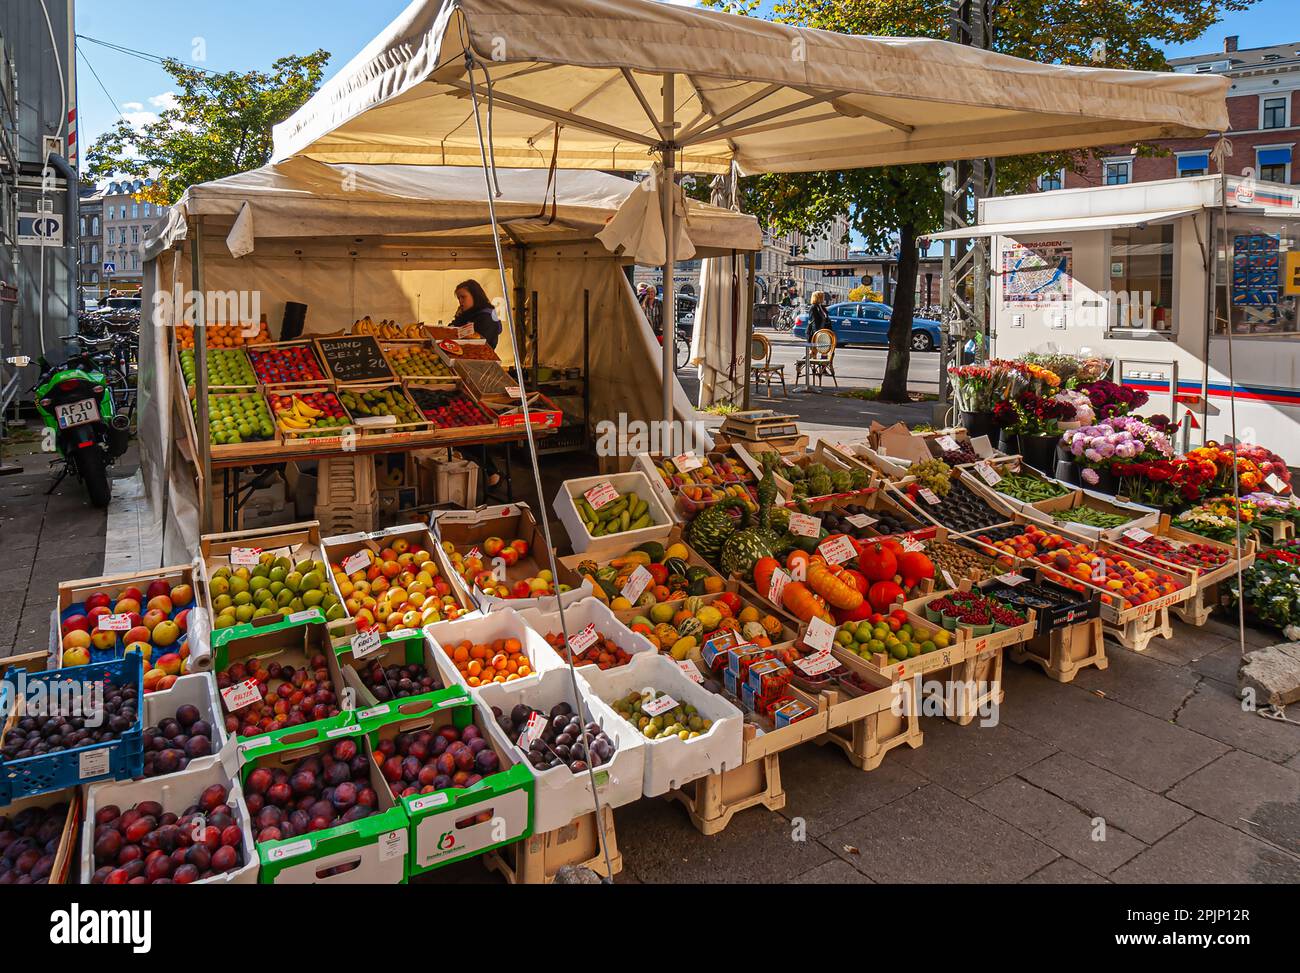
x=392, y=242
x=616, y=84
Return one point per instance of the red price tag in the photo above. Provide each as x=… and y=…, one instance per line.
x=657, y=706
x=776, y=587
x=690, y=671
x=357, y=562
x=584, y=640
x=930, y=497
x=818, y=663
x=861, y=520
x=114, y=623
x=987, y=473
x=245, y=556
x=687, y=462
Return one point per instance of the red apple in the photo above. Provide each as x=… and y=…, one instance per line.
x=125, y=606
x=97, y=600
x=75, y=623
x=161, y=603
x=95, y=614
x=492, y=546
x=104, y=640
x=520, y=546
x=157, y=588
x=137, y=634
x=153, y=619
x=182, y=620
x=135, y=594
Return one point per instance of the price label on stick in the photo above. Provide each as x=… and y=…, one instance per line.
x=820, y=635
x=862, y=520
x=948, y=444
x=687, y=462
x=802, y=525
x=513, y=391
x=838, y=549
x=365, y=643
x=1276, y=483
x=947, y=578
x=776, y=587
x=637, y=583
x=356, y=562
x=818, y=663
x=601, y=495
x=910, y=543
x=987, y=473
x=1013, y=579
x=241, y=695
x=114, y=623
x=657, y=706
x=930, y=497
x=585, y=639
x=474, y=554
x=532, y=730
x=1137, y=535
x=245, y=556
x=690, y=670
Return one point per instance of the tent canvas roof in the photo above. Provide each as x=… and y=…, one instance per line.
x=305, y=199
x=771, y=97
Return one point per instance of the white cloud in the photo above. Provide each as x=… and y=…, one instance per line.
x=132, y=106
x=138, y=119
x=164, y=101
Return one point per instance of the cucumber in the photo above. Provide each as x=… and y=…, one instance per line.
x=625, y=519
x=641, y=523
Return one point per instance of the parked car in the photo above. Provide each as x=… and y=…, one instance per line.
x=867, y=323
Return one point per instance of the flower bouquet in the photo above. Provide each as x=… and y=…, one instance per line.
x=1083, y=412
x=1165, y=483
x=1219, y=518
x=1271, y=590
x=1096, y=448
x=1071, y=369
x=1036, y=420
x=1110, y=400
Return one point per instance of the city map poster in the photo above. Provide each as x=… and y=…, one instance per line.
x=1037, y=273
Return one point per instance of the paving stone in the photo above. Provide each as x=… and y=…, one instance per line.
x=1154, y=687
x=756, y=848
x=1063, y=871
x=1203, y=851
x=1225, y=626
x=1248, y=793
x=1215, y=710
x=832, y=873
x=932, y=835
x=1099, y=793
x=1132, y=744
x=1059, y=825
x=967, y=759
x=1221, y=664
x=820, y=792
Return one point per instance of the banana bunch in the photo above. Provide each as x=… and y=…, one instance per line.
x=388, y=330
x=628, y=512
x=301, y=416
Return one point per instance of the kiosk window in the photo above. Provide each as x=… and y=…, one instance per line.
x=1142, y=279
x=1251, y=295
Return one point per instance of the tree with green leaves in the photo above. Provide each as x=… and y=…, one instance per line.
x=219, y=125
x=1088, y=32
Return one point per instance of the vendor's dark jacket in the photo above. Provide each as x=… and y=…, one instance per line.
x=484, y=319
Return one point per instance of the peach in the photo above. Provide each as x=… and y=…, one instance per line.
x=76, y=639
x=75, y=623
x=76, y=657
x=125, y=606
x=137, y=634
x=170, y=664
x=93, y=615
x=401, y=545
x=161, y=603
x=104, y=640
x=492, y=546
x=154, y=618
x=151, y=679
x=144, y=648
x=167, y=682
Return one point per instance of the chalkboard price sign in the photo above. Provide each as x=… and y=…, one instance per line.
x=354, y=358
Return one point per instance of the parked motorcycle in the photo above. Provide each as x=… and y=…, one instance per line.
x=76, y=405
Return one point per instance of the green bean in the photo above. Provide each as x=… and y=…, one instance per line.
x=1090, y=517
x=1029, y=488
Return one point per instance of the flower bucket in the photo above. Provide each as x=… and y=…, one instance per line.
x=977, y=423
x=1040, y=452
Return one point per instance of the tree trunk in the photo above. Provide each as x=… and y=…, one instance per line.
x=894, y=386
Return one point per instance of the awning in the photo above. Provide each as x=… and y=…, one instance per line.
x=1076, y=225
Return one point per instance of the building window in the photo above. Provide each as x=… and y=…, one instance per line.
x=94, y=226
x=1117, y=172
x=1142, y=278
x=1272, y=113
x=1273, y=163
x=135, y=235
x=135, y=211
x=1193, y=163
x=94, y=253
x=1050, y=181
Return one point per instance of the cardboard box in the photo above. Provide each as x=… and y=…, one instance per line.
x=66, y=864
x=417, y=648
x=468, y=530
x=371, y=851
x=456, y=823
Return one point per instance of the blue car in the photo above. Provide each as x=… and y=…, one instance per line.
x=867, y=323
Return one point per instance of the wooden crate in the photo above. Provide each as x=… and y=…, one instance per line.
x=341, y=520
x=456, y=432
x=972, y=684
x=1062, y=653
x=343, y=481
x=255, y=352
x=367, y=426
x=538, y=859
x=868, y=726
x=714, y=800
x=393, y=350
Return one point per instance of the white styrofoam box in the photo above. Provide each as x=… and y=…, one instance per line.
x=486, y=629
x=661, y=521
x=578, y=616
x=644, y=463
x=199, y=690
x=560, y=795
x=175, y=793
x=671, y=763
x=472, y=521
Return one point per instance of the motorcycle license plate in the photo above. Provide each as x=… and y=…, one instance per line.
x=76, y=413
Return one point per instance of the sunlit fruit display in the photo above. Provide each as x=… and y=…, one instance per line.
x=286, y=365
x=227, y=368
x=309, y=413
x=238, y=418
x=399, y=587
x=273, y=586
x=225, y=335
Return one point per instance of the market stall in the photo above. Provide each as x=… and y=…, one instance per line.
x=361, y=245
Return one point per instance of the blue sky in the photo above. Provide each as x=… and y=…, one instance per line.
x=245, y=34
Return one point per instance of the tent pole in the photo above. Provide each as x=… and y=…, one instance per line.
x=669, y=306
x=748, y=307
x=201, y=420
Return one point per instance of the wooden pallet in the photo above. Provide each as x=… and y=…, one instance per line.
x=538, y=859
x=347, y=480
x=1062, y=653
x=866, y=727
x=343, y=520
x=1197, y=610
x=1137, y=633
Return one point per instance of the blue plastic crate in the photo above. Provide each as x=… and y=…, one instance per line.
x=54, y=771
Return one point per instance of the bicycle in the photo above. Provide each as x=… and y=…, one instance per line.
x=785, y=319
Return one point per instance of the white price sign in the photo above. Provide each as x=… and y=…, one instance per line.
x=690, y=670
x=359, y=561
x=240, y=695
x=1276, y=483
x=657, y=706
x=93, y=763
x=802, y=525
x=246, y=556
x=947, y=578
x=637, y=584
x=365, y=643
x=585, y=639
x=818, y=663
x=862, y=520
x=837, y=549
x=930, y=497
x=533, y=730
x=1137, y=535
x=307, y=615
x=687, y=462
x=1013, y=579
x=114, y=623
x=776, y=587
x=910, y=543
x=601, y=495
x=987, y=473
x=820, y=635
x=948, y=444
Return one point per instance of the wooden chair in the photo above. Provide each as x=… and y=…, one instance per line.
x=761, y=367
x=822, y=360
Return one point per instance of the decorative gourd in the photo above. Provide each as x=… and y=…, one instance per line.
x=692, y=604
x=800, y=600
x=676, y=565
x=666, y=634
x=753, y=630
x=711, y=528
x=883, y=594
x=692, y=627
x=878, y=562
x=764, y=568
x=838, y=592
x=914, y=566
x=742, y=550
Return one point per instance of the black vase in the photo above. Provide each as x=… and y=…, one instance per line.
x=1106, y=483
x=1067, y=471
x=1040, y=452
x=978, y=424
x=1008, y=442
